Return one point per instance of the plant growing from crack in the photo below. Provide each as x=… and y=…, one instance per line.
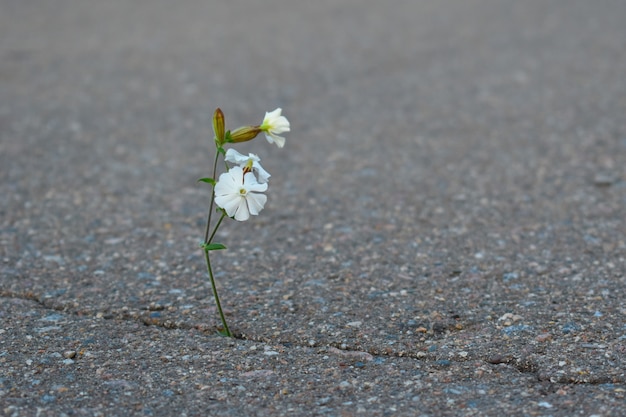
x=238, y=192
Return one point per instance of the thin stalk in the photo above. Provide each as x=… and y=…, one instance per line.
x=208, y=220
x=208, y=240
x=216, y=227
x=217, y=298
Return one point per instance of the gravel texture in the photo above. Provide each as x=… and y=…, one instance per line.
x=444, y=233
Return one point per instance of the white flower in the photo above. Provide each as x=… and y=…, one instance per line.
x=237, y=192
x=250, y=161
x=273, y=124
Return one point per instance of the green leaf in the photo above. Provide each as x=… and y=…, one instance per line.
x=228, y=137
x=212, y=246
x=208, y=181
x=221, y=150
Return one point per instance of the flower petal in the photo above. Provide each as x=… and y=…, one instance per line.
x=242, y=213
x=251, y=184
x=263, y=175
x=238, y=194
x=272, y=138
x=256, y=202
x=274, y=124
x=271, y=115
x=231, y=203
x=280, y=125
x=234, y=156
x=225, y=184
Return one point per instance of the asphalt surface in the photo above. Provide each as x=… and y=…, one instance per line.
x=444, y=233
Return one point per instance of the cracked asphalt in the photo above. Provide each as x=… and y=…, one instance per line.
x=444, y=233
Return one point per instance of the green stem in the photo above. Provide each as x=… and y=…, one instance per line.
x=208, y=220
x=226, y=331
x=207, y=240
x=216, y=227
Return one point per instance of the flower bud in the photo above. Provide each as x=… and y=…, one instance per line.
x=219, y=126
x=244, y=133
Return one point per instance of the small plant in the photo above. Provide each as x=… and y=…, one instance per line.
x=238, y=192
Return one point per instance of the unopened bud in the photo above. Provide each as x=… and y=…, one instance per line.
x=244, y=133
x=219, y=126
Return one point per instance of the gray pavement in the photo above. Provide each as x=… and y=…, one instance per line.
x=444, y=233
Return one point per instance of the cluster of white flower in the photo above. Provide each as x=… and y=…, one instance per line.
x=239, y=190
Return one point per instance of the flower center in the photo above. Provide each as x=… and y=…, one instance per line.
x=242, y=192
x=248, y=167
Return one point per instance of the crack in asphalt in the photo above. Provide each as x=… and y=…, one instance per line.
x=522, y=364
